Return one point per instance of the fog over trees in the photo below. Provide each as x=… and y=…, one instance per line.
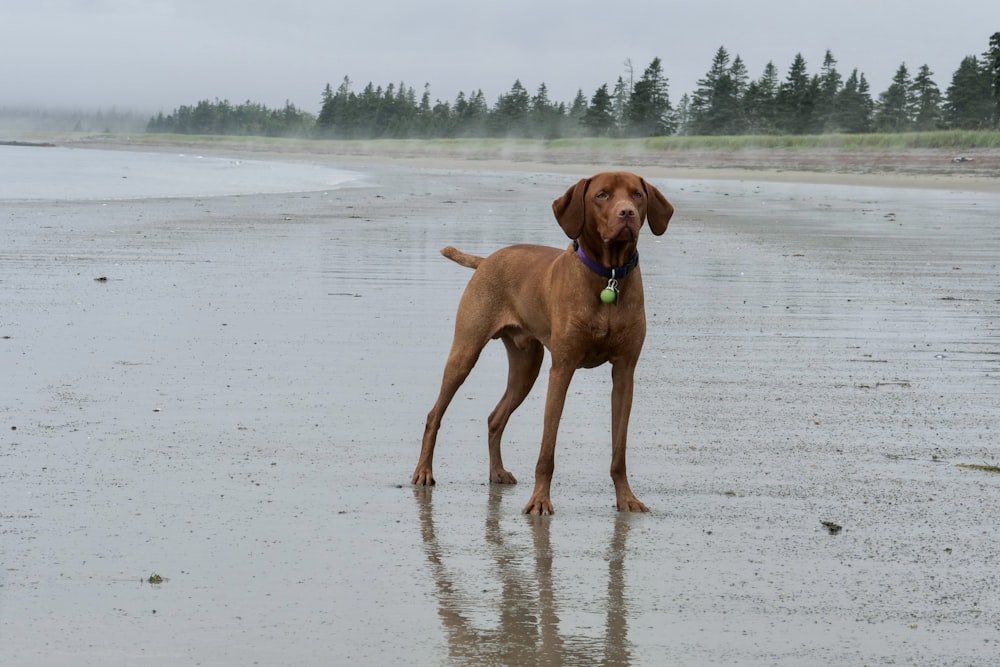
x=728, y=100
x=75, y=120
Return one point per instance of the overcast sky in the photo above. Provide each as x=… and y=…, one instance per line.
x=155, y=55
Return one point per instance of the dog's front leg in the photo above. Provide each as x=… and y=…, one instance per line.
x=622, y=374
x=559, y=378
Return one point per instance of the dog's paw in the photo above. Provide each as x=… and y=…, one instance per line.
x=538, y=507
x=423, y=477
x=502, y=477
x=631, y=504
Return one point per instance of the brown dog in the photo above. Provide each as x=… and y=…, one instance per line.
x=584, y=304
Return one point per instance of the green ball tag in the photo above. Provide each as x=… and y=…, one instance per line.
x=609, y=295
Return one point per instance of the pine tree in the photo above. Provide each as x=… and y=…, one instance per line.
x=896, y=105
x=442, y=124
x=796, y=98
x=826, y=101
x=478, y=115
x=510, y=115
x=619, y=103
x=738, y=72
x=683, y=115
x=927, y=101
x=760, y=102
x=425, y=121
x=993, y=63
x=649, y=108
x=970, y=104
x=343, y=110
x=740, y=79
x=324, y=121
x=577, y=112
x=460, y=111
x=713, y=105
x=402, y=112
x=599, y=119
x=546, y=118
x=854, y=107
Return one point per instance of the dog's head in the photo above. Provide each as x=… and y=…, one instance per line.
x=610, y=207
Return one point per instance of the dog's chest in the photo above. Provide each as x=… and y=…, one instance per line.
x=607, y=335
x=604, y=330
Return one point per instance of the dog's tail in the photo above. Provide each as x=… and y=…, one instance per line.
x=463, y=258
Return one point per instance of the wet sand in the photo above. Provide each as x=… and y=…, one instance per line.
x=229, y=392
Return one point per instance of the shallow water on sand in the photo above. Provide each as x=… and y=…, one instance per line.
x=55, y=173
x=237, y=406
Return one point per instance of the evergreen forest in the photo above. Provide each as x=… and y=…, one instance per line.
x=726, y=101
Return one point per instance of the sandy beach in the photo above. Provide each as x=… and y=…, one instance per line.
x=229, y=391
x=974, y=170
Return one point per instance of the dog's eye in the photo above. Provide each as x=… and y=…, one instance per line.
x=601, y=195
x=637, y=196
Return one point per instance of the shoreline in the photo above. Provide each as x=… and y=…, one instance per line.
x=937, y=169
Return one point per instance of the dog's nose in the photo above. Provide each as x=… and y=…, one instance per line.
x=626, y=212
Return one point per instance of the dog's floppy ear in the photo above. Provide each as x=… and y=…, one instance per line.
x=658, y=210
x=570, y=209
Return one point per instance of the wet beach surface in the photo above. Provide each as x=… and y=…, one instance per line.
x=229, y=392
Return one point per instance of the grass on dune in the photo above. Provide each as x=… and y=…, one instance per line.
x=937, y=140
x=942, y=139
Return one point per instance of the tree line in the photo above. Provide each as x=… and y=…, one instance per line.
x=223, y=117
x=726, y=102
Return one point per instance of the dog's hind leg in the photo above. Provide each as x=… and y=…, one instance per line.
x=524, y=358
x=461, y=359
x=472, y=334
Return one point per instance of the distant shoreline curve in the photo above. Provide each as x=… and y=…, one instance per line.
x=977, y=170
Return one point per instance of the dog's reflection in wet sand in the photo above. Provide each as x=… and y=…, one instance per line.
x=520, y=622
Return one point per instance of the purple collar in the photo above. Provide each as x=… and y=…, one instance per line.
x=603, y=271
